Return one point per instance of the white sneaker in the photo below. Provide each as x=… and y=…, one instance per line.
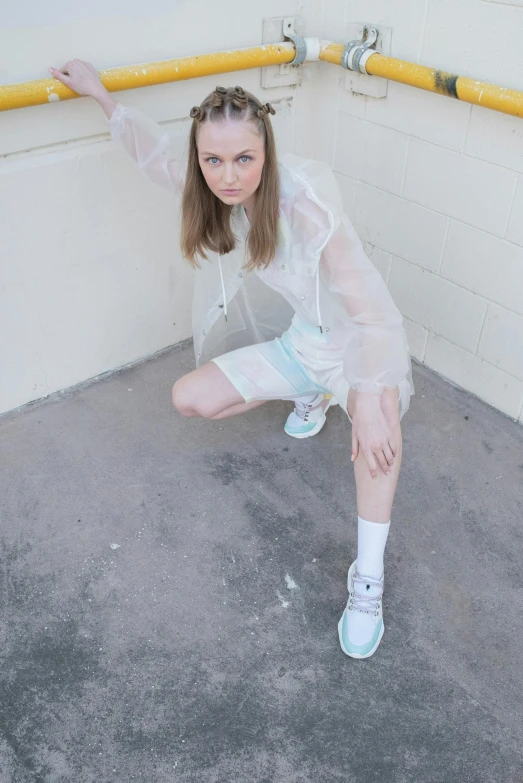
x=308, y=418
x=361, y=626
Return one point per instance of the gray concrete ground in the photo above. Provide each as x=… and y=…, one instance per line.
x=149, y=628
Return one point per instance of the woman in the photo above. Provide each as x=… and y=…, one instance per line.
x=286, y=304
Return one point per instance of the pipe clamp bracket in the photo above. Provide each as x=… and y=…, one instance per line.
x=298, y=41
x=354, y=51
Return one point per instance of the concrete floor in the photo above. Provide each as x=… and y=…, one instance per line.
x=150, y=629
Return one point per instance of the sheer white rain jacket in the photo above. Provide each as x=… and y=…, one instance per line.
x=320, y=270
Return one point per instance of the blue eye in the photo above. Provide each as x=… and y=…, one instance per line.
x=242, y=158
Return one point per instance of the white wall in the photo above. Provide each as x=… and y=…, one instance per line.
x=435, y=188
x=91, y=275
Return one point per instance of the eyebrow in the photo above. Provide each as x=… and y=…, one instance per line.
x=217, y=156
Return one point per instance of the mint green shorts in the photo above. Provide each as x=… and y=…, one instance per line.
x=276, y=370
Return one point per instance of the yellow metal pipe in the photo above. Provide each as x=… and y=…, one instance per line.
x=17, y=96
x=331, y=52
x=502, y=99
x=483, y=94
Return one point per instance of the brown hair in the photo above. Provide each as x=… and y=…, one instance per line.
x=206, y=220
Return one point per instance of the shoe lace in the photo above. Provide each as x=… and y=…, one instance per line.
x=302, y=409
x=362, y=601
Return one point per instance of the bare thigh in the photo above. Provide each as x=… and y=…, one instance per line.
x=207, y=392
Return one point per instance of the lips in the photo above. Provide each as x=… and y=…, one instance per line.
x=230, y=192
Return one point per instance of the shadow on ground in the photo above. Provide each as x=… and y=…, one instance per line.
x=171, y=588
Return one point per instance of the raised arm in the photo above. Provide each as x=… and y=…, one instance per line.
x=141, y=137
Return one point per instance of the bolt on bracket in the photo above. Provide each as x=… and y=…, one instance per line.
x=356, y=52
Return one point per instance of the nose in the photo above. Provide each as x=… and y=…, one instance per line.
x=229, y=175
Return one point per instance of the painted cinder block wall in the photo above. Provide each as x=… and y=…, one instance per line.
x=435, y=189
x=91, y=275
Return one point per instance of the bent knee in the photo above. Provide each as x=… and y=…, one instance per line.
x=181, y=397
x=187, y=402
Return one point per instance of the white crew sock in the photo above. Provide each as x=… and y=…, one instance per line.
x=372, y=537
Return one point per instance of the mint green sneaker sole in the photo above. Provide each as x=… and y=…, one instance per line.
x=365, y=650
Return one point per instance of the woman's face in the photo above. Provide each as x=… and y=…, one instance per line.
x=231, y=156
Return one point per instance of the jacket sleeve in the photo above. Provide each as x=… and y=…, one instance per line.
x=377, y=355
x=142, y=138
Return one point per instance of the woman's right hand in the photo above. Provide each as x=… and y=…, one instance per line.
x=81, y=77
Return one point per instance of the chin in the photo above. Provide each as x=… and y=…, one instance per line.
x=225, y=197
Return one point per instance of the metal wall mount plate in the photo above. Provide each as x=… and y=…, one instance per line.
x=275, y=30
x=362, y=83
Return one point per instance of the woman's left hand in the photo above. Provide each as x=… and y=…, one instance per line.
x=372, y=429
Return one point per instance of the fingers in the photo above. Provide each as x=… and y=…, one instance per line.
x=72, y=68
x=79, y=76
x=60, y=75
x=384, y=465
x=371, y=462
x=372, y=458
x=388, y=453
x=355, y=447
x=377, y=459
x=373, y=434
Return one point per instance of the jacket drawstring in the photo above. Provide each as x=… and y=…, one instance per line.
x=318, y=309
x=318, y=297
x=223, y=289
